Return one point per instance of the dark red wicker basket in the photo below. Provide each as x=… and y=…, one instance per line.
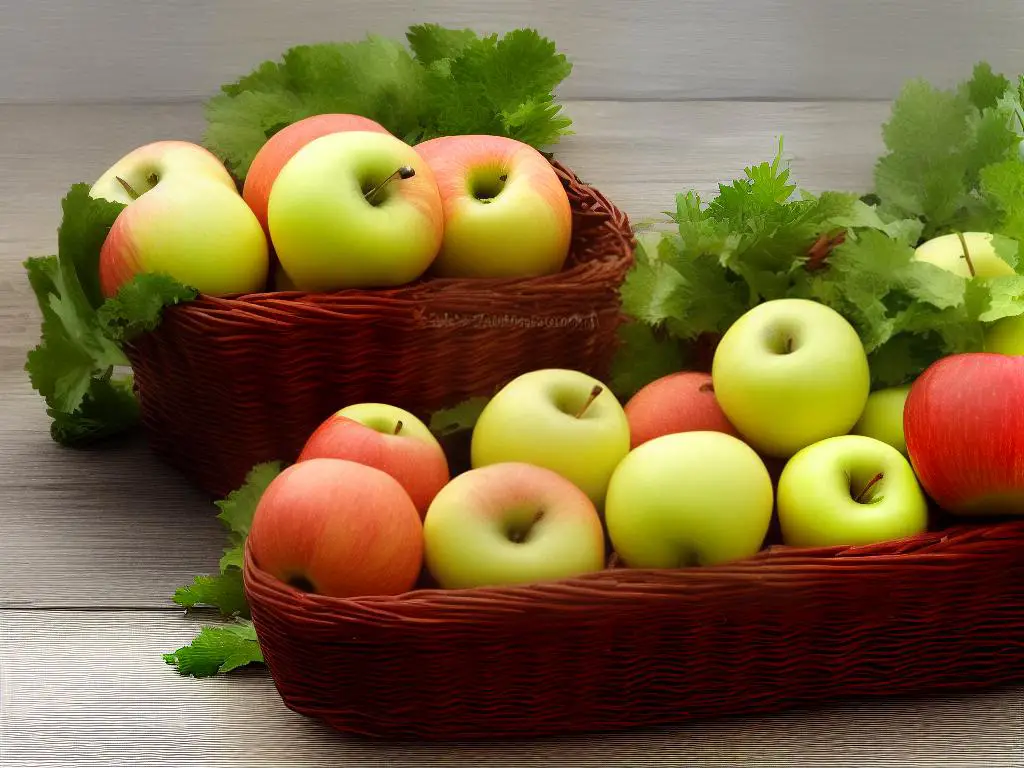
x=226, y=383
x=623, y=648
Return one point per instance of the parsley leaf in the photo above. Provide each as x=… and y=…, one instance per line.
x=237, y=509
x=218, y=650
x=460, y=417
x=223, y=591
x=1003, y=185
x=139, y=304
x=644, y=354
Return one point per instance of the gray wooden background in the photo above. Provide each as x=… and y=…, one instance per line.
x=665, y=96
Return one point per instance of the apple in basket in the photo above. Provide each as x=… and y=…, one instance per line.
x=882, y=418
x=183, y=217
x=964, y=423
x=357, y=209
x=679, y=402
x=388, y=438
x=847, y=491
x=283, y=145
x=556, y=418
x=687, y=499
x=338, y=528
x=506, y=213
x=511, y=523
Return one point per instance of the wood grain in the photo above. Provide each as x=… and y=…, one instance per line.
x=90, y=689
x=110, y=50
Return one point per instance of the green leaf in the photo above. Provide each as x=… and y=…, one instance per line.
x=459, y=418
x=138, y=306
x=1003, y=185
x=224, y=591
x=985, y=87
x=218, y=650
x=237, y=509
x=432, y=42
x=644, y=355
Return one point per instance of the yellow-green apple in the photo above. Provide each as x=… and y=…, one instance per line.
x=184, y=218
x=790, y=372
x=964, y=422
x=282, y=146
x=388, y=438
x=678, y=402
x=561, y=419
x=882, y=418
x=356, y=209
x=1006, y=336
x=511, y=523
x=847, y=491
x=974, y=256
x=338, y=528
x=686, y=499
x=506, y=213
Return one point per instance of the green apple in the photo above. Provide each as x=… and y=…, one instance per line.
x=560, y=419
x=184, y=218
x=689, y=498
x=849, y=490
x=882, y=418
x=511, y=523
x=948, y=252
x=1006, y=336
x=357, y=209
x=790, y=372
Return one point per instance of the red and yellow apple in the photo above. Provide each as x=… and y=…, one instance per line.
x=184, y=218
x=357, y=209
x=282, y=146
x=679, y=402
x=338, y=528
x=388, y=438
x=506, y=213
x=511, y=523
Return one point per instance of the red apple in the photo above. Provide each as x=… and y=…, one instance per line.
x=506, y=213
x=964, y=424
x=280, y=148
x=389, y=439
x=679, y=402
x=338, y=528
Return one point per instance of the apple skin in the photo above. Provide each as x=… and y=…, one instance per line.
x=338, y=528
x=282, y=146
x=532, y=419
x=964, y=422
x=191, y=224
x=947, y=252
x=520, y=227
x=791, y=372
x=328, y=236
x=688, y=499
x=365, y=433
x=679, y=402
x=882, y=418
x=1006, y=336
x=817, y=493
x=511, y=523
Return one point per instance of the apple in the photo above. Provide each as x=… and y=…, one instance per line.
x=556, y=418
x=847, y=491
x=511, y=523
x=388, y=438
x=790, y=372
x=1006, y=336
x=355, y=210
x=687, y=499
x=679, y=402
x=974, y=256
x=183, y=217
x=882, y=418
x=282, y=146
x=506, y=213
x=338, y=528
x=964, y=422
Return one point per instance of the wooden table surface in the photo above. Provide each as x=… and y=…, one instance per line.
x=92, y=544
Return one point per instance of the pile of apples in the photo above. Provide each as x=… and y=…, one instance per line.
x=335, y=201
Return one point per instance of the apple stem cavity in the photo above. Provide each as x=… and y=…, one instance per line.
x=127, y=188
x=594, y=394
x=867, y=488
x=403, y=172
x=398, y=426
x=967, y=253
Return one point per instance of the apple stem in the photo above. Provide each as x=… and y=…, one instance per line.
x=871, y=484
x=967, y=253
x=398, y=426
x=127, y=188
x=594, y=394
x=789, y=344
x=404, y=172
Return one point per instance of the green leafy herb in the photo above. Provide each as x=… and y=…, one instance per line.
x=458, y=418
x=139, y=304
x=223, y=591
x=217, y=650
x=447, y=81
x=237, y=509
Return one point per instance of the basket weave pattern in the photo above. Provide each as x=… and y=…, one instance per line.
x=226, y=383
x=625, y=648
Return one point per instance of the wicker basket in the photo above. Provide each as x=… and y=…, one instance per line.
x=623, y=648
x=226, y=383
